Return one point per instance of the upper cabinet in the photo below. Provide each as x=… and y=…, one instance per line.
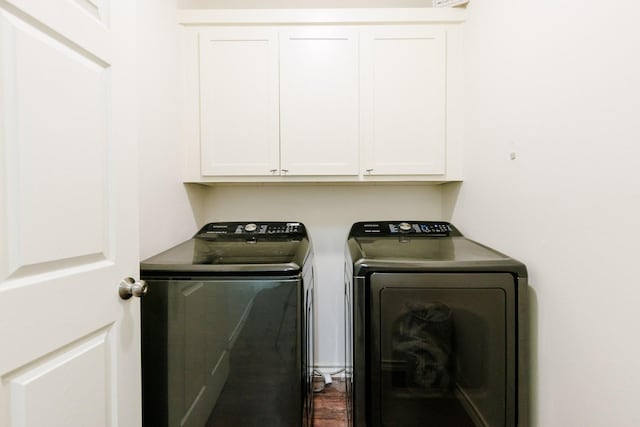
x=238, y=101
x=310, y=97
x=319, y=101
x=403, y=100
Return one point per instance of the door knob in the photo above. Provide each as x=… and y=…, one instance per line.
x=129, y=287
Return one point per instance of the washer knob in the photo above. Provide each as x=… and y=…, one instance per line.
x=404, y=226
x=251, y=227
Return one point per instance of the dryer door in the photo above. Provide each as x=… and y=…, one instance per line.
x=442, y=349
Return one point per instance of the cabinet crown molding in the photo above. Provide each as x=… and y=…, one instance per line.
x=200, y=17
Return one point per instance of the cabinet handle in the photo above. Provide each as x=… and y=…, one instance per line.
x=369, y=170
x=285, y=171
x=273, y=171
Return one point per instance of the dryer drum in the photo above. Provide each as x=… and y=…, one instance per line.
x=422, y=342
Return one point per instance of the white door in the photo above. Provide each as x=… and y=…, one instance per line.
x=319, y=132
x=68, y=214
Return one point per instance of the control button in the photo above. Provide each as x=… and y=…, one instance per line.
x=404, y=226
x=250, y=227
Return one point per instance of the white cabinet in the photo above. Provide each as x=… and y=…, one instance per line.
x=238, y=101
x=287, y=108
x=275, y=96
x=319, y=101
x=403, y=100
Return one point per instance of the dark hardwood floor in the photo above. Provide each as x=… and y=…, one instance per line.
x=329, y=406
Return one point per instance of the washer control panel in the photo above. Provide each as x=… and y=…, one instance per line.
x=395, y=228
x=269, y=228
x=272, y=228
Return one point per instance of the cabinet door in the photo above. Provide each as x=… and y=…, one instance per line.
x=238, y=101
x=403, y=100
x=319, y=101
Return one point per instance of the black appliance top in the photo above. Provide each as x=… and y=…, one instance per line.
x=420, y=246
x=236, y=248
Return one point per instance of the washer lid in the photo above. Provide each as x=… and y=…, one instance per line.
x=220, y=248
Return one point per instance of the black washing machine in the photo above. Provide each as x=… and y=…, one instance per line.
x=227, y=328
x=436, y=329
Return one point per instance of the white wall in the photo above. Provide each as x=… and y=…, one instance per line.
x=166, y=215
x=328, y=212
x=558, y=83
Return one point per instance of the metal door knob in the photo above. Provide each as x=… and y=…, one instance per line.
x=129, y=287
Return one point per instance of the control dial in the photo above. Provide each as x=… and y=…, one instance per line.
x=251, y=227
x=404, y=227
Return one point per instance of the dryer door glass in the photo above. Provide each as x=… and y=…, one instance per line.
x=440, y=352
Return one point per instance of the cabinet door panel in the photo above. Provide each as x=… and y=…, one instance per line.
x=238, y=101
x=403, y=82
x=319, y=101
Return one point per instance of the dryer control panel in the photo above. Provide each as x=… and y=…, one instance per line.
x=394, y=228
